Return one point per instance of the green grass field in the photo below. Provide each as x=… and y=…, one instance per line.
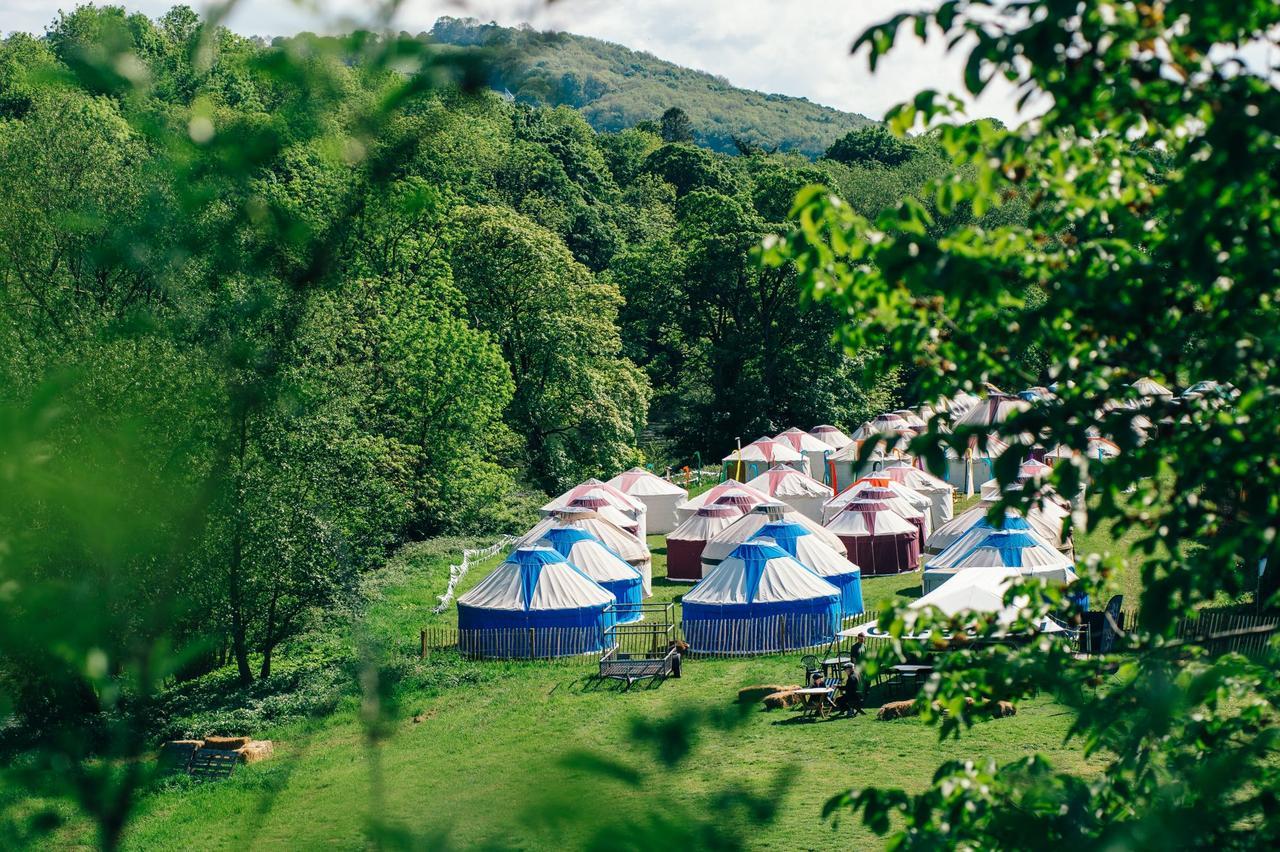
x=535, y=755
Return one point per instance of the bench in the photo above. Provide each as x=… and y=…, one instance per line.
x=630, y=668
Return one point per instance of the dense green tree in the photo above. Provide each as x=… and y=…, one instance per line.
x=688, y=168
x=676, y=126
x=870, y=145
x=578, y=403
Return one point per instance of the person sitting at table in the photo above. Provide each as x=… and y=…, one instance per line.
x=850, y=700
x=817, y=680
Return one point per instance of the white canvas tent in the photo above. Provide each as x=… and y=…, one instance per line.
x=941, y=493
x=760, y=455
x=799, y=491
x=831, y=436
x=659, y=496
x=814, y=450
x=723, y=542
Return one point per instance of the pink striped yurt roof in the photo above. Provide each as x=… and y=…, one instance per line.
x=739, y=500
x=884, y=492
x=617, y=498
x=765, y=449
x=911, y=418
x=616, y=538
x=606, y=510
x=881, y=424
x=639, y=482
x=869, y=518
x=914, y=478
x=711, y=494
x=708, y=521
x=784, y=482
x=802, y=441
x=831, y=436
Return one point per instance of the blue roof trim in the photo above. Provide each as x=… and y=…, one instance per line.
x=785, y=533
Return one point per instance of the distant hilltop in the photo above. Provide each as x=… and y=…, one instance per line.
x=616, y=87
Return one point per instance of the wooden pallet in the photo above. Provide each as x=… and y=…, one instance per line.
x=211, y=764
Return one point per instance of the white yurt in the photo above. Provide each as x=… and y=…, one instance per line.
x=913, y=420
x=760, y=455
x=876, y=538
x=594, y=502
x=687, y=509
x=814, y=450
x=595, y=490
x=685, y=542
x=959, y=403
x=535, y=604
x=723, y=543
x=798, y=490
x=941, y=493
x=881, y=424
x=585, y=552
x=831, y=436
x=846, y=465
x=659, y=496
x=810, y=552
x=621, y=542
x=759, y=600
x=1019, y=549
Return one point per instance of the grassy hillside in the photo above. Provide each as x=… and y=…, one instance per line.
x=616, y=87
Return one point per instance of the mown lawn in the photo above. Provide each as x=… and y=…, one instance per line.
x=534, y=755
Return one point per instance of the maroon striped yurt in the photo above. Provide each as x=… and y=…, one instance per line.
x=739, y=498
x=890, y=494
x=685, y=543
x=877, y=538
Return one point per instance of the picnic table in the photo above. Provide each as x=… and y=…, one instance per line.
x=818, y=701
x=913, y=672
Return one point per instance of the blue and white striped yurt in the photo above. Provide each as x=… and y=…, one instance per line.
x=759, y=600
x=535, y=604
x=1020, y=549
x=811, y=552
x=589, y=555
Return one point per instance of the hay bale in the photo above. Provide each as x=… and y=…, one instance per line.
x=226, y=743
x=1003, y=709
x=897, y=710
x=752, y=694
x=256, y=751
x=176, y=754
x=781, y=700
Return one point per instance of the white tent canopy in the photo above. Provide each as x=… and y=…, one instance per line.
x=941, y=493
x=689, y=507
x=630, y=506
x=762, y=454
x=831, y=436
x=814, y=450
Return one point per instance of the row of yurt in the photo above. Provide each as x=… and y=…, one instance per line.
x=910, y=504
x=814, y=449
x=798, y=490
x=760, y=599
x=740, y=492
x=633, y=550
x=620, y=508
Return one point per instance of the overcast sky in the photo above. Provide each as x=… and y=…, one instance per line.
x=794, y=47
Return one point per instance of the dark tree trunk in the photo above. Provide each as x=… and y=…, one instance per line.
x=235, y=575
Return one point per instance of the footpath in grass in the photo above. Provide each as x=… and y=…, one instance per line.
x=535, y=755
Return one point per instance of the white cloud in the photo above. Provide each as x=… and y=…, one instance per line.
x=799, y=47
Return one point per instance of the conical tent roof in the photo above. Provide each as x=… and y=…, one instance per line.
x=978, y=533
x=606, y=510
x=705, y=523
x=911, y=418
x=711, y=494
x=594, y=487
x=742, y=501
x=869, y=518
x=724, y=542
x=960, y=402
x=784, y=482
x=639, y=482
x=535, y=579
x=1023, y=550
x=996, y=408
x=765, y=449
x=882, y=489
x=920, y=481
x=831, y=436
x=589, y=555
x=802, y=441
x=947, y=534
x=801, y=544
x=881, y=424
x=612, y=536
x=759, y=574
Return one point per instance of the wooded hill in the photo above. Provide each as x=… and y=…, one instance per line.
x=617, y=88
